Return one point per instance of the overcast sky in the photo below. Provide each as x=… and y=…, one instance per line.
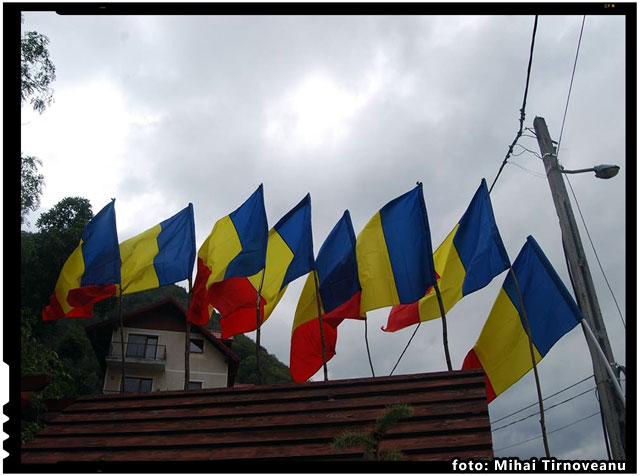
x=160, y=111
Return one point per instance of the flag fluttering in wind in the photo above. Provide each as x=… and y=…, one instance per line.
x=395, y=258
x=161, y=255
x=336, y=272
x=467, y=260
x=92, y=271
x=289, y=256
x=235, y=249
x=502, y=350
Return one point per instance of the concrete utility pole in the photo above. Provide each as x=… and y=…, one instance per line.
x=612, y=408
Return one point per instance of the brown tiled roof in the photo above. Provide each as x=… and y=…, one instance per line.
x=283, y=422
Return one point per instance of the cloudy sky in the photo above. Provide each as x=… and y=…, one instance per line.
x=160, y=111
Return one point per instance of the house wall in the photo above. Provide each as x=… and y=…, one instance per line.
x=209, y=367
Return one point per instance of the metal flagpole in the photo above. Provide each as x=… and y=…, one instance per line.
x=616, y=385
x=533, y=362
x=187, y=341
x=258, y=323
x=324, y=357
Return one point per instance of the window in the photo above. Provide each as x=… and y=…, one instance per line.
x=136, y=384
x=196, y=346
x=195, y=385
x=141, y=346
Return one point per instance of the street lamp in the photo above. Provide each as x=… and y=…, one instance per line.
x=604, y=171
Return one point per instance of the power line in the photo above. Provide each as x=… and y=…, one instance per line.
x=595, y=252
x=529, y=171
x=524, y=103
x=548, y=433
x=550, y=396
x=546, y=409
x=566, y=107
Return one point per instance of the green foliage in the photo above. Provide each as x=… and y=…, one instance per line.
x=370, y=439
x=37, y=72
x=70, y=215
x=272, y=370
x=31, y=183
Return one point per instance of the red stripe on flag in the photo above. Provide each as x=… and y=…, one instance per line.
x=402, y=316
x=471, y=362
x=199, y=306
x=306, y=348
x=82, y=300
x=347, y=310
x=235, y=300
x=405, y=315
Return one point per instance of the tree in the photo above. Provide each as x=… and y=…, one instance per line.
x=372, y=438
x=31, y=186
x=37, y=72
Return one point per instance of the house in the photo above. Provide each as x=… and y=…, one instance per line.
x=154, y=350
x=259, y=424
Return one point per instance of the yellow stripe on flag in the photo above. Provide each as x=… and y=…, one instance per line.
x=503, y=345
x=451, y=271
x=137, y=254
x=219, y=249
x=279, y=257
x=374, y=268
x=307, y=309
x=70, y=277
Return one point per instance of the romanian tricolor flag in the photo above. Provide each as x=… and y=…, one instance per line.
x=92, y=271
x=234, y=250
x=336, y=272
x=395, y=259
x=161, y=255
x=467, y=260
x=289, y=256
x=502, y=350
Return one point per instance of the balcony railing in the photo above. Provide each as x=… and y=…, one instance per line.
x=140, y=352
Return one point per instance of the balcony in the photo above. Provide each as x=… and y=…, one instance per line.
x=138, y=356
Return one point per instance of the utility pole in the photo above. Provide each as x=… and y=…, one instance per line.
x=612, y=408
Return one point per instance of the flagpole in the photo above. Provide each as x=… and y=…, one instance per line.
x=616, y=385
x=121, y=339
x=187, y=341
x=533, y=361
x=258, y=323
x=324, y=356
x=405, y=348
x=445, y=339
x=366, y=341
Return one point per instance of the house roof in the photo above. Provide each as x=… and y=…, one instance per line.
x=272, y=422
x=100, y=333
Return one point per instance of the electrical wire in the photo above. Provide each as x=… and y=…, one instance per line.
x=524, y=104
x=529, y=171
x=546, y=409
x=550, y=396
x=548, y=433
x=566, y=107
x=594, y=251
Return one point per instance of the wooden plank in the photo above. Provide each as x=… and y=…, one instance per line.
x=250, y=435
x=266, y=408
x=259, y=389
x=279, y=396
x=434, y=410
x=431, y=445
